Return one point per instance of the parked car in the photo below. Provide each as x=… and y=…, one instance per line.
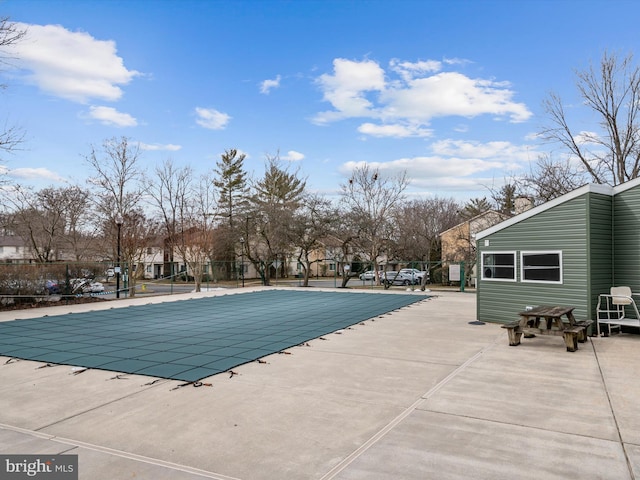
x=86, y=285
x=419, y=274
x=400, y=278
x=52, y=287
x=93, y=287
x=371, y=275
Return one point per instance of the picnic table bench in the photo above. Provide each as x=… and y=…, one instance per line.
x=547, y=320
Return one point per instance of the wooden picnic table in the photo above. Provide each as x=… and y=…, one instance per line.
x=548, y=320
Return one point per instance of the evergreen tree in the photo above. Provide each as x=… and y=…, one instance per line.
x=279, y=187
x=505, y=199
x=475, y=207
x=231, y=182
x=277, y=197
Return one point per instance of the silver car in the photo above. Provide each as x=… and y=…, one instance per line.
x=370, y=275
x=418, y=274
x=400, y=278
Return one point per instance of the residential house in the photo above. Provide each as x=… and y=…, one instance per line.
x=14, y=250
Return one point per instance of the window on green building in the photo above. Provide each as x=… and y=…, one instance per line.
x=499, y=266
x=543, y=267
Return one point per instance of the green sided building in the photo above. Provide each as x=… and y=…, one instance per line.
x=564, y=252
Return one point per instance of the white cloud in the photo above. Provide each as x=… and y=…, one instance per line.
x=456, y=61
x=456, y=165
x=397, y=130
x=72, y=65
x=491, y=150
x=415, y=97
x=293, y=156
x=159, y=147
x=431, y=167
x=110, y=116
x=408, y=70
x=428, y=174
x=211, y=118
x=35, y=174
x=267, y=85
x=448, y=94
x=532, y=136
x=346, y=89
x=586, y=137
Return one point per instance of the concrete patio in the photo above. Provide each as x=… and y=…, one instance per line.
x=420, y=393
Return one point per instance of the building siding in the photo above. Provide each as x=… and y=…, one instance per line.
x=566, y=227
x=600, y=249
x=626, y=239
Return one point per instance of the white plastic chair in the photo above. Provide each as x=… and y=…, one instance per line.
x=612, y=309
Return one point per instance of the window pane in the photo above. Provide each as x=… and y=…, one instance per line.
x=541, y=267
x=541, y=260
x=498, y=266
x=543, y=275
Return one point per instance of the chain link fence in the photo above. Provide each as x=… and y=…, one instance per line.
x=33, y=283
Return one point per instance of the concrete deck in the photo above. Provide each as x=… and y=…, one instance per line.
x=417, y=394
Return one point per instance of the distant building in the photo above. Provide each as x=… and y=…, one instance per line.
x=458, y=243
x=14, y=250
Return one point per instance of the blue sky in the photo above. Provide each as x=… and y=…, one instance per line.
x=450, y=91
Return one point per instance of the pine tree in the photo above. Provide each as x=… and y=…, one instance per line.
x=231, y=183
x=475, y=207
x=277, y=197
x=279, y=187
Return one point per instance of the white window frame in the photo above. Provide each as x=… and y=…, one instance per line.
x=541, y=252
x=499, y=252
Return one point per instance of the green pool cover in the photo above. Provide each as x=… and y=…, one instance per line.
x=191, y=339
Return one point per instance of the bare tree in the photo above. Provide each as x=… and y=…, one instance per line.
x=345, y=250
x=610, y=152
x=371, y=199
x=116, y=176
x=420, y=223
x=199, y=248
x=71, y=204
x=118, y=183
x=171, y=191
x=54, y=222
x=10, y=35
x=138, y=232
x=39, y=226
x=188, y=218
x=551, y=178
x=312, y=223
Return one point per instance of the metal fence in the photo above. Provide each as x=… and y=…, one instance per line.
x=436, y=272
x=33, y=283
x=38, y=282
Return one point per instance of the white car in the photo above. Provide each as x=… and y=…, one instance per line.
x=415, y=274
x=370, y=275
x=85, y=285
x=93, y=287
